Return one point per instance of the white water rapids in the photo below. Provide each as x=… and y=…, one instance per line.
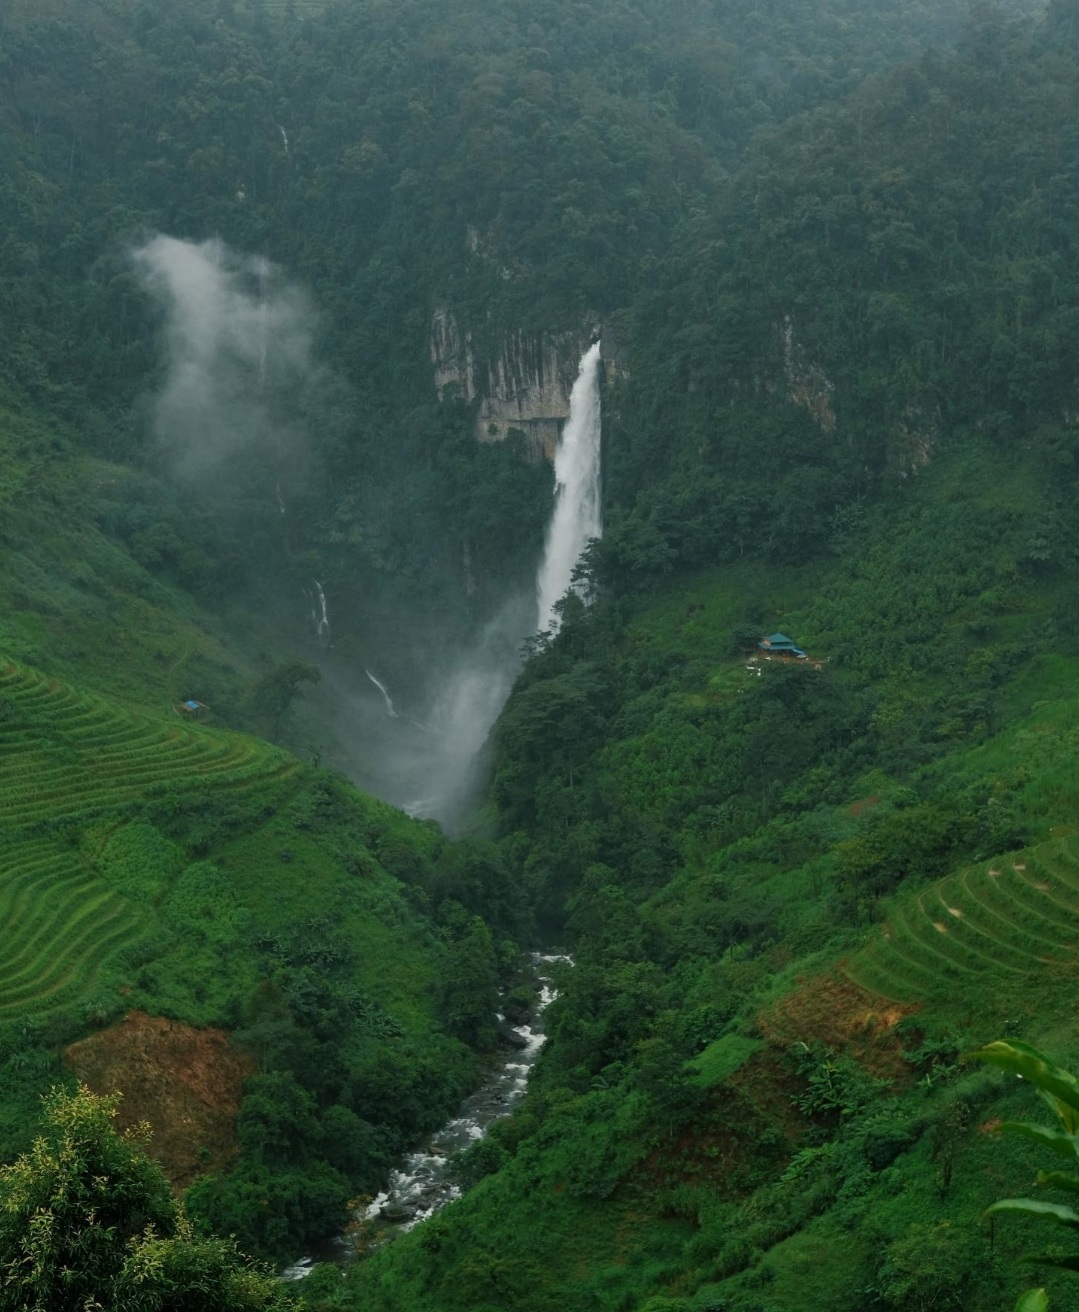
x=423, y=1183
x=577, y=512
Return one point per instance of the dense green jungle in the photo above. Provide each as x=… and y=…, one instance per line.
x=267, y=270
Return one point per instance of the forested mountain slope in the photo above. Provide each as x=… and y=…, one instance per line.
x=799, y=894
x=200, y=875
x=900, y=266
x=831, y=251
x=526, y=166
x=168, y=866
x=796, y=898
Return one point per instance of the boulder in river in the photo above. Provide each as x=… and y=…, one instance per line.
x=517, y=1010
x=513, y=1038
x=396, y=1213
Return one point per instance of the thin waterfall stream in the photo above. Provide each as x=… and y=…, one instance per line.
x=424, y=1183
x=385, y=694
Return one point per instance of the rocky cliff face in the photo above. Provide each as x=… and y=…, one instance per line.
x=806, y=384
x=912, y=437
x=525, y=386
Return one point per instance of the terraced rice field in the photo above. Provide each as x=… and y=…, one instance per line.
x=67, y=755
x=62, y=924
x=1013, y=915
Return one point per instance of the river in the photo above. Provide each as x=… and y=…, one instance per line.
x=423, y=1183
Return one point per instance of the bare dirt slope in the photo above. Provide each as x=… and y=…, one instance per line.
x=187, y=1083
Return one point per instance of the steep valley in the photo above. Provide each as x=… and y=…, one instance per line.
x=763, y=708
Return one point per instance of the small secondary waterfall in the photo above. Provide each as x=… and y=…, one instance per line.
x=320, y=616
x=262, y=273
x=385, y=695
x=576, y=515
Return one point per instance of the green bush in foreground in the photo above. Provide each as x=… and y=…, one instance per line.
x=87, y=1221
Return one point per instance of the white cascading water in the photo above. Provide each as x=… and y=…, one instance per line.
x=320, y=615
x=438, y=767
x=471, y=695
x=423, y=1183
x=385, y=695
x=577, y=514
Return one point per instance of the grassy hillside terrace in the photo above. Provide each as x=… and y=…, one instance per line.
x=193, y=877
x=68, y=759
x=1008, y=916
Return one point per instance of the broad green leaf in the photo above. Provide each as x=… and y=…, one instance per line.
x=1059, y=1140
x=1036, y=1067
x=1067, y=1115
x=1033, y=1207
x=1060, y=1180
x=1034, y=1300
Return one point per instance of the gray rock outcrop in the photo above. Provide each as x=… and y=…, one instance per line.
x=526, y=385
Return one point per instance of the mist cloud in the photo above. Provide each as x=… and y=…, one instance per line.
x=239, y=353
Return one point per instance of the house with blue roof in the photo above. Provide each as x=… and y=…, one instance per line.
x=778, y=644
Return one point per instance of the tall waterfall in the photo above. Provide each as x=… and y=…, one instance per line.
x=436, y=769
x=576, y=515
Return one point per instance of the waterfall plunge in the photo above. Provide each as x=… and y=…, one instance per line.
x=576, y=515
x=473, y=697
x=436, y=768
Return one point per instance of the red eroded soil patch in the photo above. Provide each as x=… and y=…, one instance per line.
x=722, y=1148
x=845, y=1018
x=187, y=1083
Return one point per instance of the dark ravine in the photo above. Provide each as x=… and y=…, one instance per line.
x=423, y=1183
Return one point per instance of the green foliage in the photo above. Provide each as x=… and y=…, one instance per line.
x=86, y=1219
x=272, y=1212
x=838, y=345
x=481, y=1159
x=996, y=918
x=324, y=1288
x=1060, y=1090
x=134, y=873
x=277, y=692
x=834, y=1087
x=528, y=182
x=468, y=984
x=927, y=1270
x=723, y=1057
x=696, y=907
x=138, y=860
x=895, y=844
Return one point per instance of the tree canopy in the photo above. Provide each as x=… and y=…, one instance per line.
x=88, y=1220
